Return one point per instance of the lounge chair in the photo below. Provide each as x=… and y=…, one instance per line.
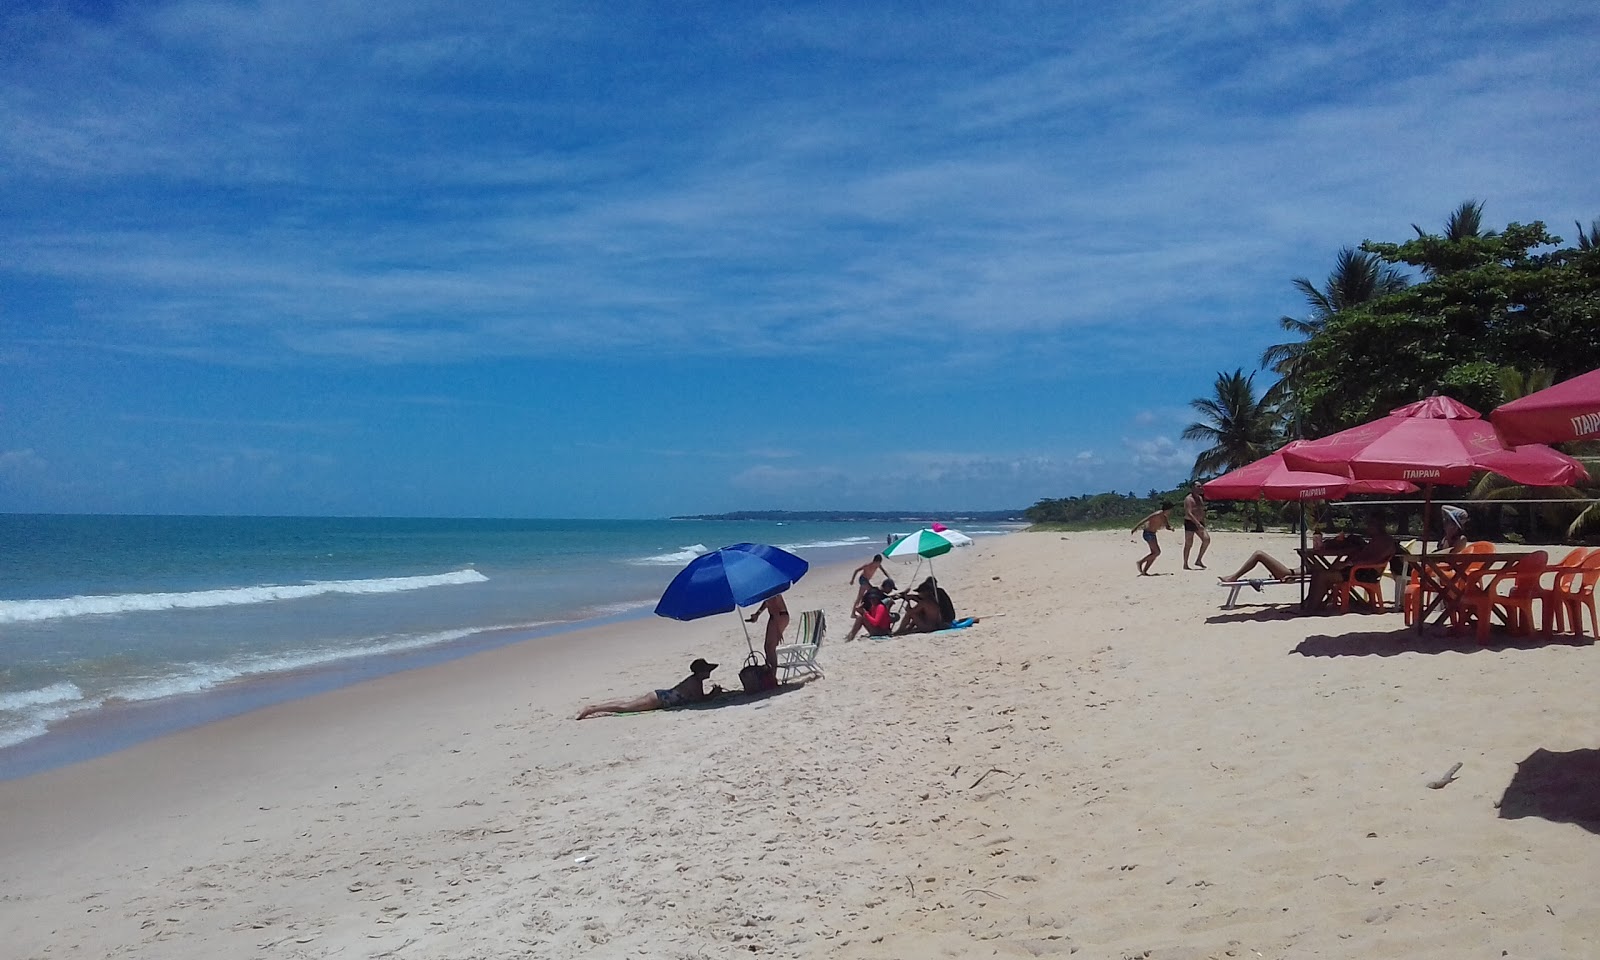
x=800, y=657
x=1234, y=586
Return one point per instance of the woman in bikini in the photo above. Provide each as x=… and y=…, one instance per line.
x=777, y=622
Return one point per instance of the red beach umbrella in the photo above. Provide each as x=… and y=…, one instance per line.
x=1434, y=441
x=1568, y=411
x=1271, y=477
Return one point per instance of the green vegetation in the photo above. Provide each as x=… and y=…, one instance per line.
x=1479, y=315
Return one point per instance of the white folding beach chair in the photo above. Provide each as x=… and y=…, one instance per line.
x=800, y=657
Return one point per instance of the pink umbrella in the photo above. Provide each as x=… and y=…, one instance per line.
x=1273, y=478
x=1568, y=411
x=1434, y=441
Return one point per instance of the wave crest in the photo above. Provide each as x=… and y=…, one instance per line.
x=25, y=611
x=682, y=555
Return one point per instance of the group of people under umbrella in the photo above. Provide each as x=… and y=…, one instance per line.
x=746, y=575
x=1435, y=441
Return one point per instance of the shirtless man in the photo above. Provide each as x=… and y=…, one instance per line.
x=1194, y=525
x=1160, y=520
x=777, y=622
x=863, y=575
x=690, y=689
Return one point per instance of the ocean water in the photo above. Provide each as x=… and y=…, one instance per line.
x=97, y=612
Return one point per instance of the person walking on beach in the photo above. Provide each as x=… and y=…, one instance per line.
x=777, y=622
x=690, y=689
x=1160, y=520
x=863, y=575
x=1194, y=525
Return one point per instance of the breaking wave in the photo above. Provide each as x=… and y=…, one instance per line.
x=25, y=611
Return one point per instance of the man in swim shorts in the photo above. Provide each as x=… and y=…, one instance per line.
x=690, y=689
x=1194, y=525
x=1160, y=520
x=863, y=575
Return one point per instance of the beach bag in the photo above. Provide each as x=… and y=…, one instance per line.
x=754, y=676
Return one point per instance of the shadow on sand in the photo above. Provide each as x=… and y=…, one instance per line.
x=1407, y=640
x=739, y=699
x=1560, y=787
x=1262, y=613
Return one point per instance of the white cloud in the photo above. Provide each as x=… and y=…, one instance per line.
x=1132, y=170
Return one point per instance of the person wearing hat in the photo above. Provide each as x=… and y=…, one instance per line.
x=1455, y=528
x=690, y=690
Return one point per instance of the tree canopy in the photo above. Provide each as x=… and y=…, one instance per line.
x=1488, y=302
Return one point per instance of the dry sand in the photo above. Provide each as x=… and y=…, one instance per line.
x=1114, y=768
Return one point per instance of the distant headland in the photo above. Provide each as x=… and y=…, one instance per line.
x=858, y=516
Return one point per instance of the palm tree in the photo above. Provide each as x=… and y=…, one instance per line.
x=1464, y=221
x=1239, y=426
x=1588, y=239
x=1357, y=277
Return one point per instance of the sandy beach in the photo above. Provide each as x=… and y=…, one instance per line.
x=1107, y=766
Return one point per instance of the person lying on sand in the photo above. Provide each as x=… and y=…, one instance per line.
x=690, y=690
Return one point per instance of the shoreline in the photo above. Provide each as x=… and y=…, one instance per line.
x=115, y=726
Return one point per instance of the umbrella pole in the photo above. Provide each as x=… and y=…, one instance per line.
x=739, y=611
x=1427, y=508
x=1302, y=553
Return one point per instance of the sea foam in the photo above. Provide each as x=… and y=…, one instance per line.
x=24, y=611
x=43, y=696
x=820, y=544
x=681, y=555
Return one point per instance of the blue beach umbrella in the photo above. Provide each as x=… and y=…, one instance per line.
x=720, y=581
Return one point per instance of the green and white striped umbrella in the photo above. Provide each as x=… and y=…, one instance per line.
x=923, y=543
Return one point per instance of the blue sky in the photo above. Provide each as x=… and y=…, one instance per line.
x=507, y=259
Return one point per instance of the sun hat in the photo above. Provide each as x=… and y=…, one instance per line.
x=701, y=667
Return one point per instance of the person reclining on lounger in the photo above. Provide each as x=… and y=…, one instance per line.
x=689, y=690
x=1269, y=563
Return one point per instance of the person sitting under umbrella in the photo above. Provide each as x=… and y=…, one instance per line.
x=872, y=615
x=1455, y=528
x=690, y=689
x=1377, y=548
x=931, y=609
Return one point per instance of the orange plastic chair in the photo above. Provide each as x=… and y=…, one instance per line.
x=1479, y=601
x=1373, y=590
x=1412, y=599
x=1580, y=597
x=1552, y=598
